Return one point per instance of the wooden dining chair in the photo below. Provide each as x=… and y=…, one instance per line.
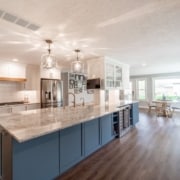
x=161, y=109
x=150, y=105
x=169, y=112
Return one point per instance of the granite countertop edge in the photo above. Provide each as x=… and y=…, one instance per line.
x=31, y=124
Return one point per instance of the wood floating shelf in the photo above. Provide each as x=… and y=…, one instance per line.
x=12, y=79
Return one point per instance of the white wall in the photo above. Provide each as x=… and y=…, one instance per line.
x=156, y=69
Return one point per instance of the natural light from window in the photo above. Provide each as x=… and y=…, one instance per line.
x=167, y=89
x=141, y=89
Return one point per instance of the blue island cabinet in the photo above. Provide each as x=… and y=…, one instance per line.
x=134, y=113
x=91, y=131
x=48, y=156
x=71, y=150
x=37, y=159
x=106, y=129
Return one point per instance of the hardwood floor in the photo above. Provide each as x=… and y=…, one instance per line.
x=151, y=151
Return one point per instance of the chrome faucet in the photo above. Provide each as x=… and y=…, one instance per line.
x=82, y=98
x=74, y=102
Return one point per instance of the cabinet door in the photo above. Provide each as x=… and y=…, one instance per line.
x=106, y=129
x=113, y=75
x=5, y=109
x=134, y=113
x=17, y=70
x=70, y=147
x=4, y=69
x=91, y=136
x=109, y=74
x=118, y=76
x=37, y=159
x=12, y=70
x=0, y=155
x=19, y=108
x=33, y=106
x=33, y=78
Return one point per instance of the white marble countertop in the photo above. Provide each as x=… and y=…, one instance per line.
x=26, y=125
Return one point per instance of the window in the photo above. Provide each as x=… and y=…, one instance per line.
x=167, y=88
x=141, y=89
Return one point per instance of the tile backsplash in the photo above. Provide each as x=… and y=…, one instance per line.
x=12, y=91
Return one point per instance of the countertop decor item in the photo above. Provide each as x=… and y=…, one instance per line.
x=48, y=60
x=77, y=66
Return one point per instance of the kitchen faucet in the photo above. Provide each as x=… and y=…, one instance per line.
x=74, y=102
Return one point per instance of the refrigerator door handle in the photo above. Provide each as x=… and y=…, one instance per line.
x=54, y=91
x=49, y=95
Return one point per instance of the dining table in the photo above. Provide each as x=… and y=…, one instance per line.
x=165, y=107
x=162, y=107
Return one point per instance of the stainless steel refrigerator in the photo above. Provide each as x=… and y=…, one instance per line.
x=51, y=93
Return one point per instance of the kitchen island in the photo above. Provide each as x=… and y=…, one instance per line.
x=44, y=143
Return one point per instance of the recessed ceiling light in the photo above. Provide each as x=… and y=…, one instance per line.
x=144, y=64
x=15, y=60
x=67, y=42
x=61, y=35
x=84, y=45
x=74, y=43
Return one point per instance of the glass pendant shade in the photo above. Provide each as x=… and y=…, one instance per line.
x=48, y=61
x=77, y=66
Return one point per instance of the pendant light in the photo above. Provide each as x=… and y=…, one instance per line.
x=77, y=66
x=48, y=60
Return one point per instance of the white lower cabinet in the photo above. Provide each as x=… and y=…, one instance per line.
x=33, y=106
x=18, y=108
x=5, y=109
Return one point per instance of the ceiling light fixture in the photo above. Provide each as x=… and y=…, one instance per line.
x=48, y=61
x=77, y=66
x=15, y=60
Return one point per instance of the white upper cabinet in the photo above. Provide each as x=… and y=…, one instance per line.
x=33, y=77
x=17, y=70
x=12, y=70
x=4, y=69
x=114, y=75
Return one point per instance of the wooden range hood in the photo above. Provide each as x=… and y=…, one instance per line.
x=11, y=79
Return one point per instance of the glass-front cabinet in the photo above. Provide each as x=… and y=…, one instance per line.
x=109, y=75
x=113, y=75
x=118, y=76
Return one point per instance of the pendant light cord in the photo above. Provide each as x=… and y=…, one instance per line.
x=49, y=42
x=77, y=50
x=77, y=57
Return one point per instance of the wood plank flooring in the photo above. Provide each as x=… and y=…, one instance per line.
x=151, y=151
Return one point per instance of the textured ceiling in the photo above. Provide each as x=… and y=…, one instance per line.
x=134, y=32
